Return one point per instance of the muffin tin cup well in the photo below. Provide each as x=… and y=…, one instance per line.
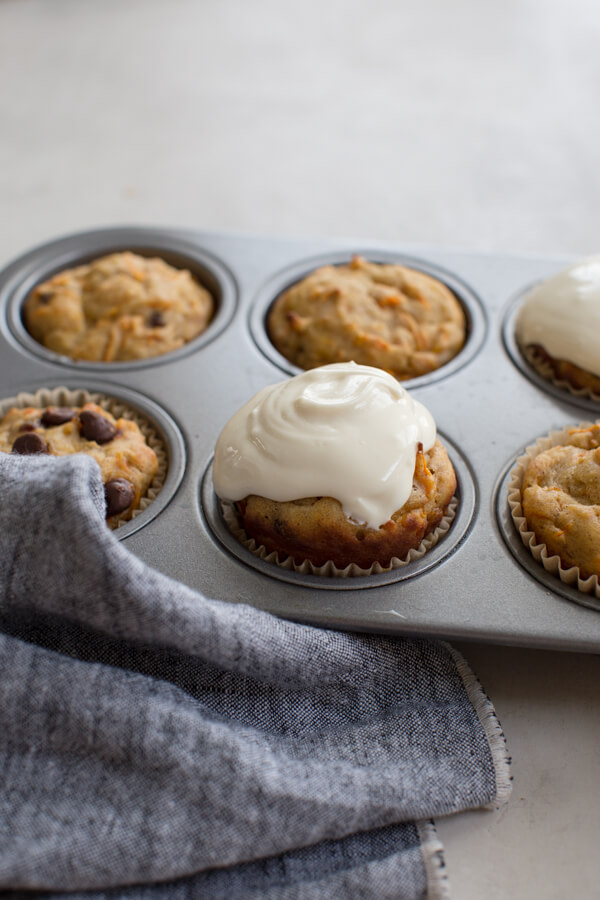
x=45, y=261
x=536, y=369
x=159, y=429
x=440, y=544
x=537, y=559
x=472, y=307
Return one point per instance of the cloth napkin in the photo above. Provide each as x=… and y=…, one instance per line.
x=158, y=744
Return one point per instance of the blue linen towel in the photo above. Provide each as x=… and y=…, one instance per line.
x=158, y=744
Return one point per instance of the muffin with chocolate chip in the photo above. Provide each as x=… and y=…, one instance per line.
x=388, y=316
x=127, y=463
x=120, y=307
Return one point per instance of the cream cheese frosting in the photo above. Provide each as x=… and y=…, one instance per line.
x=343, y=430
x=562, y=314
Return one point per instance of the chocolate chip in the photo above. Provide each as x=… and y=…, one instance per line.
x=119, y=495
x=156, y=320
x=29, y=443
x=96, y=427
x=44, y=297
x=57, y=415
x=28, y=426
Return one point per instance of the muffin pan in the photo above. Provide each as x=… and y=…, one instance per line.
x=477, y=583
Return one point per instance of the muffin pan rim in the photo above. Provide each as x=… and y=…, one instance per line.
x=462, y=524
x=49, y=258
x=477, y=319
x=159, y=418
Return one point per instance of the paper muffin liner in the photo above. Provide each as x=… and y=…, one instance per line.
x=543, y=368
x=63, y=396
x=540, y=551
x=329, y=568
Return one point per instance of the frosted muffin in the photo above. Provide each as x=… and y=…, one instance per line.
x=388, y=316
x=127, y=463
x=560, y=499
x=558, y=325
x=118, y=308
x=337, y=464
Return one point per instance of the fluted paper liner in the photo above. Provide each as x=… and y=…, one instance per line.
x=329, y=568
x=63, y=396
x=539, y=551
x=543, y=368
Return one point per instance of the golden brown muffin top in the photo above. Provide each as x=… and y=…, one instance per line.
x=383, y=315
x=561, y=499
x=116, y=308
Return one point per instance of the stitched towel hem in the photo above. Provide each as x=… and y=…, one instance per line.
x=432, y=850
x=492, y=729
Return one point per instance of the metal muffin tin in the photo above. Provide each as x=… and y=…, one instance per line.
x=478, y=583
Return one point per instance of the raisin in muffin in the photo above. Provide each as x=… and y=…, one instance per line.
x=388, y=316
x=127, y=463
x=558, y=324
x=560, y=499
x=121, y=307
x=337, y=464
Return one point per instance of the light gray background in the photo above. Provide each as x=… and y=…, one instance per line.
x=471, y=125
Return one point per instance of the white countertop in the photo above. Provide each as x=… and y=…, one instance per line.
x=466, y=125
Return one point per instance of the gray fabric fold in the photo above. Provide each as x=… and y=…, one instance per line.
x=363, y=865
x=197, y=748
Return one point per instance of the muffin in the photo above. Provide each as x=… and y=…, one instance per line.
x=127, y=463
x=387, y=316
x=121, y=307
x=338, y=464
x=560, y=498
x=558, y=324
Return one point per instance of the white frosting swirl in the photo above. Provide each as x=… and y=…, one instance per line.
x=344, y=431
x=563, y=315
